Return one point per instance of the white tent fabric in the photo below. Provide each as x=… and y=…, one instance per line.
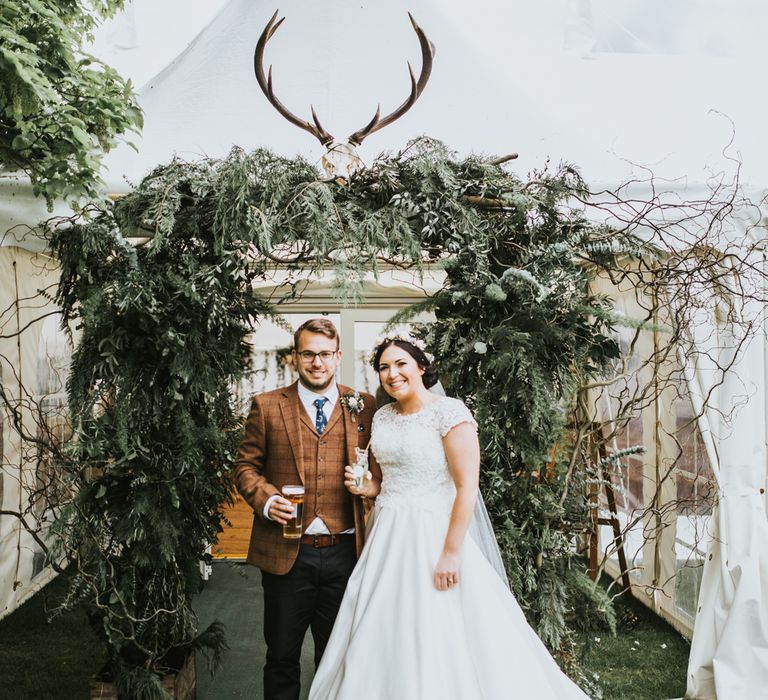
x=538, y=78
x=601, y=84
x=34, y=356
x=143, y=39
x=729, y=651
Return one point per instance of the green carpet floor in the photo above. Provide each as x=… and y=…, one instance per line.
x=42, y=660
x=233, y=595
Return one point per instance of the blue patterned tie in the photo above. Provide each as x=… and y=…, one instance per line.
x=320, y=418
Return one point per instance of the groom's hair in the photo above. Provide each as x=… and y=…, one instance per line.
x=429, y=377
x=317, y=325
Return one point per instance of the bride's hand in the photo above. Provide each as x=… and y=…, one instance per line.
x=368, y=490
x=447, y=571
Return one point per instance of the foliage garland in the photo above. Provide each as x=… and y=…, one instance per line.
x=163, y=327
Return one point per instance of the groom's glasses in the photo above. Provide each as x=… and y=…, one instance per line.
x=309, y=357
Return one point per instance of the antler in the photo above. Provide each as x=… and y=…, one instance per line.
x=315, y=129
x=427, y=54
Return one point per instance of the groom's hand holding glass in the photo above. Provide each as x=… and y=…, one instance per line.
x=281, y=510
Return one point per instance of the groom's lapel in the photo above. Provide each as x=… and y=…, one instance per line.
x=350, y=427
x=290, y=407
x=351, y=442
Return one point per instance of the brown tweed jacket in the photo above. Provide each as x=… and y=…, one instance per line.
x=271, y=456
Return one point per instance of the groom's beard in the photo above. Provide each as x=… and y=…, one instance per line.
x=319, y=383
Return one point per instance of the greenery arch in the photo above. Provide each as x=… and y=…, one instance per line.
x=162, y=327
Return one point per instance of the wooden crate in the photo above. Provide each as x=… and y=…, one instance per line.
x=180, y=686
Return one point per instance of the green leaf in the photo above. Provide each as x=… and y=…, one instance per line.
x=50, y=90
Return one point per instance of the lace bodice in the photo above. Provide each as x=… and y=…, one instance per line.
x=409, y=450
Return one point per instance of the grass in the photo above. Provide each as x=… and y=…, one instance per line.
x=647, y=660
x=41, y=660
x=54, y=661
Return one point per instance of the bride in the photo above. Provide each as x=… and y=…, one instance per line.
x=425, y=616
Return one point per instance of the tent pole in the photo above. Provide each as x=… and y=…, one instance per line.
x=765, y=355
x=16, y=580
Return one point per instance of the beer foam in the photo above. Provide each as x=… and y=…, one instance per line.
x=293, y=490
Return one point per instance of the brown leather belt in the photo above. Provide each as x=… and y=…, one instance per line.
x=319, y=541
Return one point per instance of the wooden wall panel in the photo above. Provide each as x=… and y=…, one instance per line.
x=233, y=542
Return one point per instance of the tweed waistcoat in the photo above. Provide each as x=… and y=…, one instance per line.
x=280, y=447
x=324, y=457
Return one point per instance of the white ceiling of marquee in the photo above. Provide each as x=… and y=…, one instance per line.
x=599, y=83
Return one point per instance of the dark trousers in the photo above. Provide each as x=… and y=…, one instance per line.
x=308, y=596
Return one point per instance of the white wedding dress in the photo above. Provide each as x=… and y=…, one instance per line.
x=396, y=636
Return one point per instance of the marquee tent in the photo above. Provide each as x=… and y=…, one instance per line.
x=618, y=88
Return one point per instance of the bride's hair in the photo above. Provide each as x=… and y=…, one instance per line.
x=430, y=371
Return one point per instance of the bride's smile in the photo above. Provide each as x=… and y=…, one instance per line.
x=401, y=377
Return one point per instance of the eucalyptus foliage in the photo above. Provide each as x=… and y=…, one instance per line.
x=163, y=327
x=60, y=108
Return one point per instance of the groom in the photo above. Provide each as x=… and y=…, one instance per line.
x=303, y=434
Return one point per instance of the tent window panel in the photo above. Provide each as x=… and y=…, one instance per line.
x=633, y=542
x=627, y=478
x=695, y=491
x=694, y=478
x=625, y=419
x=53, y=429
x=628, y=473
x=627, y=424
x=690, y=537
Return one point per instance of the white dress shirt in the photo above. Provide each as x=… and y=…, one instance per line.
x=307, y=397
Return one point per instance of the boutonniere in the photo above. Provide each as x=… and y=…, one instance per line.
x=354, y=403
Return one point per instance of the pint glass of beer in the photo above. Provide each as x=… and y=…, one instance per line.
x=295, y=494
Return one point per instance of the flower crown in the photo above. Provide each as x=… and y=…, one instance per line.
x=403, y=336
